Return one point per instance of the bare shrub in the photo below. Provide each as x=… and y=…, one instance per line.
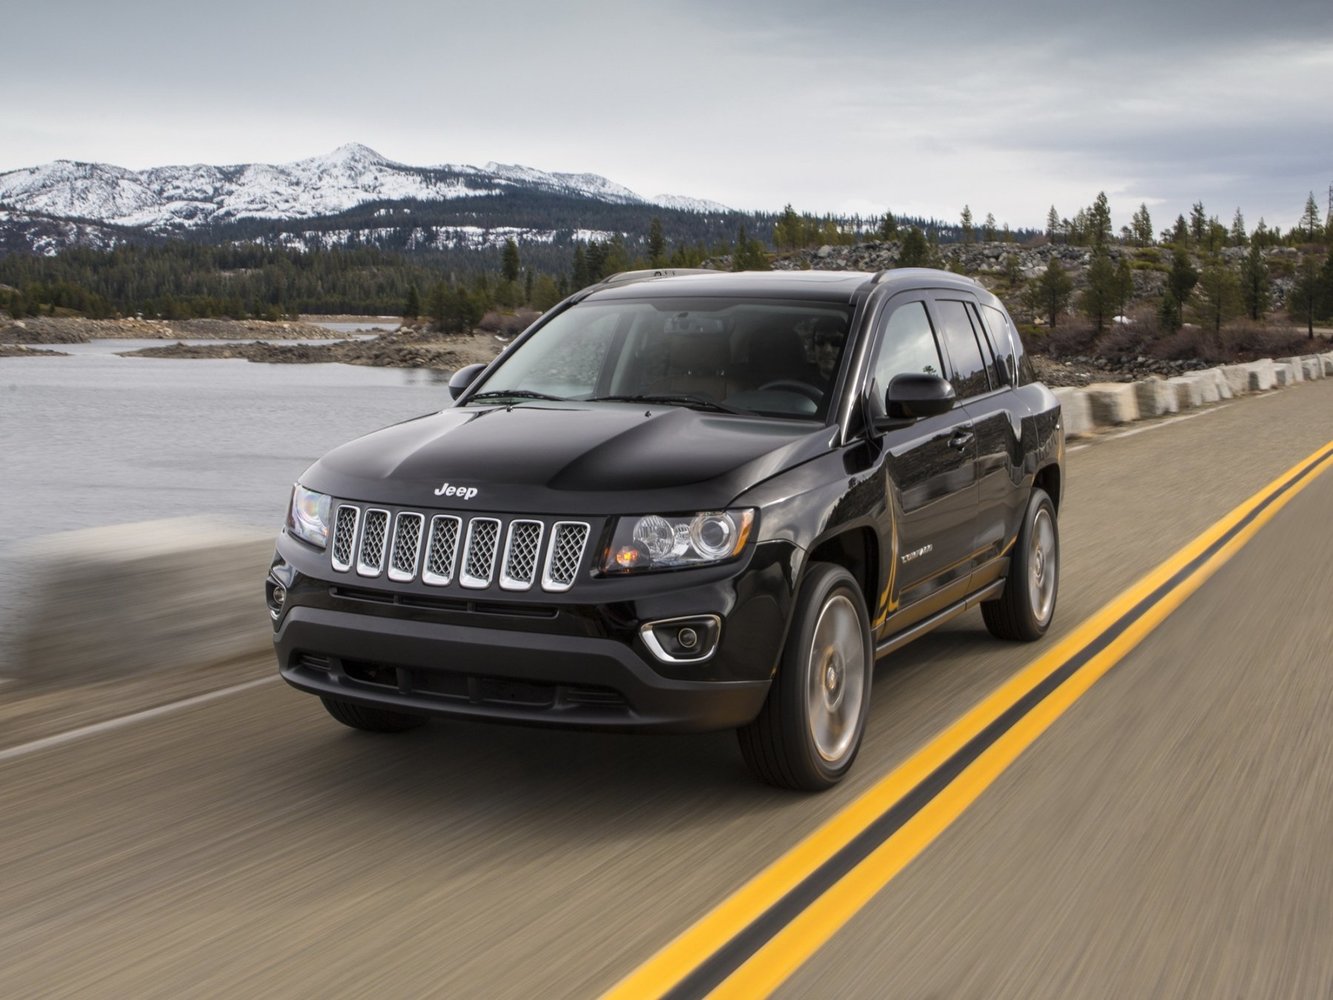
x=1069, y=340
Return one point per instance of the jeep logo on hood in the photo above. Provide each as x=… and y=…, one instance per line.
x=462, y=492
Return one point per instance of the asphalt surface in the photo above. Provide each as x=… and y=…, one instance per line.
x=1168, y=836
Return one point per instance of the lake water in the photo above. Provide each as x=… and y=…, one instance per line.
x=95, y=439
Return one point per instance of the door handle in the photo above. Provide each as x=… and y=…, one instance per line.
x=961, y=439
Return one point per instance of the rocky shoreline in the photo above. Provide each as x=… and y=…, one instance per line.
x=77, y=330
x=387, y=351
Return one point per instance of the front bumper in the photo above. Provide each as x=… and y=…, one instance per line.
x=500, y=676
x=576, y=660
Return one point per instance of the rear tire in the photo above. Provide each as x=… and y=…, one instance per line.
x=1025, y=609
x=809, y=730
x=372, y=720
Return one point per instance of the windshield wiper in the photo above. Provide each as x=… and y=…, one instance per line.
x=514, y=394
x=670, y=399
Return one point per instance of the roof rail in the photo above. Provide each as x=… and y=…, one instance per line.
x=629, y=277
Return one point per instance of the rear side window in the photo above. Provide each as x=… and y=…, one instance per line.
x=1003, y=339
x=908, y=345
x=968, y=373
x=999, y=371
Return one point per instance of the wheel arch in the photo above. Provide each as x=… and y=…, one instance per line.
x=1050, y=479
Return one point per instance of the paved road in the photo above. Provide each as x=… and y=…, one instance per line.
x=1168, y=836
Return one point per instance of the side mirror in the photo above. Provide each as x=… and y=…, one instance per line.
x=913, y=395
x=463, y=378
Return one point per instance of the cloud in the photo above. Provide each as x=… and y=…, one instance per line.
x=921, y=108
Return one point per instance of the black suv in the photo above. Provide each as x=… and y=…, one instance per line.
x=684, y=501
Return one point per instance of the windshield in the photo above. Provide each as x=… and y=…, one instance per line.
x=767, y=357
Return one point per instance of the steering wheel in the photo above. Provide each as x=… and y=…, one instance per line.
x=810, y=392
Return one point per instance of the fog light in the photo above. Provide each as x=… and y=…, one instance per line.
x=275, y=596
x=683, y=640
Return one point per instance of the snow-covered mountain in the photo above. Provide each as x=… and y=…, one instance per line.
x=171, y=199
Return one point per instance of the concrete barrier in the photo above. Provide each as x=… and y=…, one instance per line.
x=1238, y=378
x=1156, y=398
x=1263, y=375
x=1285, y=374
x=1327, y=359
x=1188, y=389
x=1312, y=367
x=1075, y=413
x=1295, y=372
x=132, y=598
x=1220, y=381
x=1113, y=403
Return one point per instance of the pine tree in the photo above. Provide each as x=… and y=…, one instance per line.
x=1124, y=286
x=657, y=243
x=1180, y=281
x=1198, y=222
x=1049, y=294
x=988, y=228
x=1219, y=294
x=1099, y=221
x=915, y=251
x=966, y=219
x=413, y=307
x=509, y=263
x=1099, y=299
x=1141, y=226
x=1304, y=300
x=787, y=231
x=1237, y=235
x=888, y=227
x=1312, y=229
x=1254, y=281
x=1052, y=224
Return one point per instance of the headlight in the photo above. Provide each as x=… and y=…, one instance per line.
x=657, y=541
x=308, y=516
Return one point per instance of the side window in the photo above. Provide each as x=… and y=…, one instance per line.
x=907, y=345
x=969, y=370
x=999, y=371
x=1002, y=338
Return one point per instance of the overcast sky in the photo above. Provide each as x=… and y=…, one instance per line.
x=1008, y=107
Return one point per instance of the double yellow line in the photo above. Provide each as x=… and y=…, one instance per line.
x=753, y=940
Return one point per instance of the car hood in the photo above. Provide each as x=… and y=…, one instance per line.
x=537, y=458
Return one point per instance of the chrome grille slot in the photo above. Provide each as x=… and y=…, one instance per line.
x=374, y=535
x=406, y=546
x=568, y=539
x=522, y=547
x=483, y=539
x=441, y=550
x=344, y=537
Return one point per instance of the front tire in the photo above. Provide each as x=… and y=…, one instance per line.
x=372, y=720
x=809, y=731
x=1025, y=609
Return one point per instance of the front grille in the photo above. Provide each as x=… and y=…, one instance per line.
x=406, y=546
x=441, y=550
x=520, y=562
x=344, y=537
x=483, y=538
x=370, y=561
x=444, y=550
x=568, y=539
